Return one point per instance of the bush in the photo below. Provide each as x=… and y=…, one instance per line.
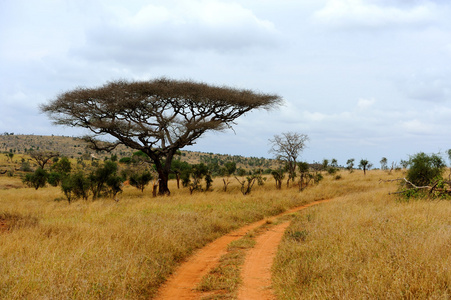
x=54, y=178
x=140, y=180
x=37, y=179
x=425, y=169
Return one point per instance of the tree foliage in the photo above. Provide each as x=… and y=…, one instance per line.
x=158, y=117
x=278, y=176
x=306, y=175
x=140, y=179
x=384, y=163
x=198, y=172
x=227, y=171
x=350, y=165
x=425, y=169
x=63, y=166
x=365, y=165
x=37, y=179
x=100, y=177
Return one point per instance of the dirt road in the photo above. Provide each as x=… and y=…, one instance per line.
x=256, y=271
x=258, y=262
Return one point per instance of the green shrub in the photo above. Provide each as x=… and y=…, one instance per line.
x=425, y=169
x=37, y=179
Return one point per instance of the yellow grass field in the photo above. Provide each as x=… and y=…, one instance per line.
x=107, y=250
x=367, y=246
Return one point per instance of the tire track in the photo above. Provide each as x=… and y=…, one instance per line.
x=182, y=284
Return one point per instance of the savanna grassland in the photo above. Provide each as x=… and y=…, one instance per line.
x=367, y=246
x=363, y=244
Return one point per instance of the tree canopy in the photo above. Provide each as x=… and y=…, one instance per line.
x=157, y=117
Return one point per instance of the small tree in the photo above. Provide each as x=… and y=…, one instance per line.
x=38, y=179
x=350, y=165
x=63, y=166
x=325, y=164
x=76, y=186
x=304, y=175
x=384, y=163
x=278, y=176
x=333, y=167
x=10, y=156
x=307, y=175
x=227, y=171
x=178, y=168
x=246, y=185
x=99, y=177
x=114, y=183
x=198, y=172
x=140, y=180
x=208, y=181
x=42, y=157
x=68, y=189
x=59, y=170
x=365, y=165
x=287, y=147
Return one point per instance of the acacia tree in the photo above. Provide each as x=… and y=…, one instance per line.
x=287, y=147
x=157, y=117
x=42, y=157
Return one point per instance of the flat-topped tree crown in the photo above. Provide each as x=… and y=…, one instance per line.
x=157, y=117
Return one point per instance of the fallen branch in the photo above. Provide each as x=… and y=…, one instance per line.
x=415, y=187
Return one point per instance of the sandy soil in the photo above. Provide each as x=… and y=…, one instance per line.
x=258, y=262
x=256, y=271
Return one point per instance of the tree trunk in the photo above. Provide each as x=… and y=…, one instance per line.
x=163, y=188
x=177, y=176
x=163, y=170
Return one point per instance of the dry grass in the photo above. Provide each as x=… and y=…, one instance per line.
x=364, y=244
x=125, y=250
x=367, y=246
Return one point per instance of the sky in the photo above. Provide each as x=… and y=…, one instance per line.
x=363, y=79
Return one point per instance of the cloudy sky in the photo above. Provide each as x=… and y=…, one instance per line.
x=362, y=78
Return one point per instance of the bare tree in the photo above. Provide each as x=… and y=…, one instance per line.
x=42, y=157
x=287, y=147
x=157, y=117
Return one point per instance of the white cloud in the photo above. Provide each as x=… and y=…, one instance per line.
x=160, y=33
x=417, y=127
x=349, y=90
x=428, y=86
x=365, y=103
x=360, y=13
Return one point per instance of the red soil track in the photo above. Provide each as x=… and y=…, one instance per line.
x=184, y=281
x=256, y=272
